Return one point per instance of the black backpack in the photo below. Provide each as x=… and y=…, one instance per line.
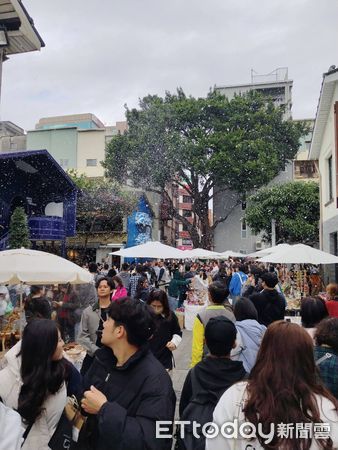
x=200, y=409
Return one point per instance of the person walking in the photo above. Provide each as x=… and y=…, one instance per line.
x=218, y=306
x=33, y=382
x=283, y=388
x=168, y=334
x=92, y=320
x=127, y=390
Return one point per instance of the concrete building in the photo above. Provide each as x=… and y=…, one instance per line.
x=234, y=233
x=76, y=141
x=324, y=148
x=12, y=138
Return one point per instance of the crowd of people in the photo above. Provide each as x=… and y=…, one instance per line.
x=248, y=364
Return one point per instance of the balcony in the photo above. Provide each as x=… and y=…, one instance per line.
x=46, y=228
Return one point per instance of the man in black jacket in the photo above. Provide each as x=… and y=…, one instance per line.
x=128, y=388
x=216, y=372
x=269, y=303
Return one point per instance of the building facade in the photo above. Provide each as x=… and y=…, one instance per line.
x=324, y=148
x=234, y=233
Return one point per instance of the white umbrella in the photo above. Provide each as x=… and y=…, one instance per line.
x=35, y=267
x=300, y=254
x=150, y=250
x=229, y=253
x=200, y=253
x=269, y=250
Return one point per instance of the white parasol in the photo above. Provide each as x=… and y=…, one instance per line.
x=151, y=250
x=300, y=254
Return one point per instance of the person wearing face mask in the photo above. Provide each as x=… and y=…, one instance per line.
x=33, y=382
x=168, y=334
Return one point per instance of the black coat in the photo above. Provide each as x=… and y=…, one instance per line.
x=213, y=375
x=139, y=393
x=166, y=328
x=270, y=306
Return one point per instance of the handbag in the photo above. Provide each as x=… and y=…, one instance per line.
x=67, y=431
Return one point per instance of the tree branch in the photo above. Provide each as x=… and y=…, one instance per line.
x=224, y=218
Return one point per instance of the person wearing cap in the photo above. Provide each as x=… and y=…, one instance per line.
x=216, y=372
x=219, y=306
x=269, y=303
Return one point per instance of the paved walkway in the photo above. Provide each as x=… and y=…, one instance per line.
x=182, y=360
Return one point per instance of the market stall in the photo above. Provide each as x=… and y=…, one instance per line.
x=24, y=266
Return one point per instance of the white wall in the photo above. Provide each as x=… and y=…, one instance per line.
x=91, y=145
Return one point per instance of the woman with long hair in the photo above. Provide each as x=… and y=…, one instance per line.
x=33, y=382
x=66, y=304
x=168, y=334
x=142, y=289
x=283, y=388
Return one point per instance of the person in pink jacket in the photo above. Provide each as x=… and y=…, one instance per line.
x=120, y=291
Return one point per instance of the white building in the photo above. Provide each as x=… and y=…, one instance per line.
x=324, y=147
x=234, y=233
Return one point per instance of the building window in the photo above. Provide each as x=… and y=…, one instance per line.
x=91, y=162
x=185, y=228
x=64, y=163
x=187, y=199
x=186, y=241
x=243, y=229
x=187, y=213
x=329, y=170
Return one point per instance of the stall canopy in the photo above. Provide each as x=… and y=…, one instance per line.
x=35, y=267
x=300, y=254
x=268, y=251
x=229, y=253
x=200, y=253
x=151, y=250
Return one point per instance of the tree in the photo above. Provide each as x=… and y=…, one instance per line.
x=205, y=145
x=294, y=206
x=101, y=206
x=18, y=229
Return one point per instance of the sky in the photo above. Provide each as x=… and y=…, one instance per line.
x=102, y=55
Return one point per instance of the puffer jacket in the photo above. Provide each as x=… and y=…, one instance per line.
x=10, y=385
x=248, y=340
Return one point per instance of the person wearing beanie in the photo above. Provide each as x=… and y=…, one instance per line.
x=218, y=306
x=211, y=377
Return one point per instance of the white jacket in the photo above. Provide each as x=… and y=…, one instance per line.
x=11, y=430
x=230, y=407
x=45, y=425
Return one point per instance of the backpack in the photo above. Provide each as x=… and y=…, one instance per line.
x=200, y=409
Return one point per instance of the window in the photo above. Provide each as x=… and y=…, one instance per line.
x=187, y=199
x=187, y=213
x=64, y=163
x=91, y=162
x=329, y=169
x=186, y=241
x=243, y=229
x=185, y=228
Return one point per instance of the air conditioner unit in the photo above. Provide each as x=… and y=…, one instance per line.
x=259, y=245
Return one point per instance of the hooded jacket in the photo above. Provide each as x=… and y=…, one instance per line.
x=248, y=340
x=139, y=393
x=10, y=386
x=213, y=375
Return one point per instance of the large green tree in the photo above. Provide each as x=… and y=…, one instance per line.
x=101, y=206
x=205, y=145
x=293, y=205
x=18, y=229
